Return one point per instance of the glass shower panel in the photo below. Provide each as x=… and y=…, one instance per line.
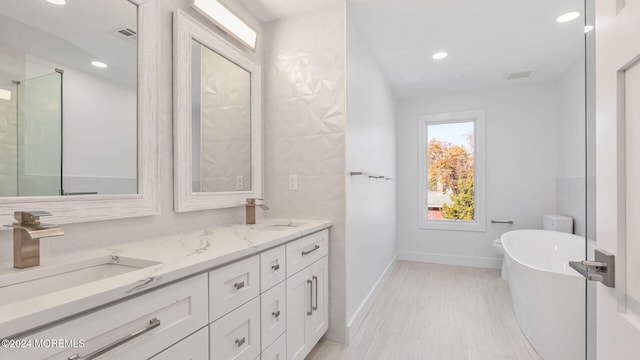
x=39, y=135
x=8, y=141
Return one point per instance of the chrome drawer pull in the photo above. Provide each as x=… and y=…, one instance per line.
x=276, y=314
x=238, y=285
x=240, y=342
x=315, y=278
x=275, y=267
x=310, y=312
x=304, y=253
x=153, y=323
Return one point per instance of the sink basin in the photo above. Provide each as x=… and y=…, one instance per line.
x=26, y=284
x=277, y=226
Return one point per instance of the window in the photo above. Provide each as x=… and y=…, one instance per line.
x=452, y=167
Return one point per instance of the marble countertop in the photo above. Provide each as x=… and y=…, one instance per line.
x=178, y=256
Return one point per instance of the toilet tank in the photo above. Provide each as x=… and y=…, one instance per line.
x=559, y=223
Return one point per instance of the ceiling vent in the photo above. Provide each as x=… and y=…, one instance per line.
x=126, y=32
x=524, y=74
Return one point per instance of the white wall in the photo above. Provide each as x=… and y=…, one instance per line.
x=110, y=233
x=371, y=203
x=521, y=170
x=99, y=133
x=304, y=73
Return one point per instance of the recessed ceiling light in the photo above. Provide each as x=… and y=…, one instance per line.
x=57, y=2
x=99, y=64
x=588, y=28
x=439, y=55
x=568, y=17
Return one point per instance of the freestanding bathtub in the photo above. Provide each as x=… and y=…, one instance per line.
x=548, y=296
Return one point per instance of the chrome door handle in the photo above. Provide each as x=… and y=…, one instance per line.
x=153, y=323
x=602, y=269
x=305, y=253
x=238, y=285
x=310, y=312
x=315, y=278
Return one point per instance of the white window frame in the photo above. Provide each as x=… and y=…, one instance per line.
x=480, y=162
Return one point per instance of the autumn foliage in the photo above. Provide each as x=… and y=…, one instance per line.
x=451, y=171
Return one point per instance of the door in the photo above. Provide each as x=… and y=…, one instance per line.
x=319, y=319
x=618, y=174
x=299, y=287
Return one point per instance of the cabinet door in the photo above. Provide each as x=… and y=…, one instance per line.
x=299, y=288
x=195, y=347
x=319, y=319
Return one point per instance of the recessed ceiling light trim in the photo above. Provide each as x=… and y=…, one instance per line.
x=99, y=64
x=227, y=20
x=570, y=16
x=439, y=55
x=57, y=2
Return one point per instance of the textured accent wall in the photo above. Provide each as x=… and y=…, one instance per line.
x=305, y=133
x=225, y=124
x=8, y=147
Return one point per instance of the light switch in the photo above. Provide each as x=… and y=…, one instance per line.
x=293, y=182
x=240, y=182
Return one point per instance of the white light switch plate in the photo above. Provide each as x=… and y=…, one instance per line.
x=240, y=182
x=293, y=182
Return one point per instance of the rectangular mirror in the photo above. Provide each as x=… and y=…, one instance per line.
x=77, y=108
x=217, y=128
x=71, y=95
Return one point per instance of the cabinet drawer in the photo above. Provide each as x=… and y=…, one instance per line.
x=164, y=316
x=237, y=335
x=305, y=251
x=233, y=285
x=272, y=267
x=274, y=314
x=195, y=347
x=277, y=350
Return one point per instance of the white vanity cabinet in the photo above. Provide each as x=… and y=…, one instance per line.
x=282, y=319
x=307, y=294
x=134, y=329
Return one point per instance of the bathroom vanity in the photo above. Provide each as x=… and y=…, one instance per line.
x=238, y=292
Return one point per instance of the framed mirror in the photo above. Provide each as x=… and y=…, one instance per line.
x=78, y=135
x=217, y=120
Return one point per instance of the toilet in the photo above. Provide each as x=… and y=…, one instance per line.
x=559, y=223
x=551, y=222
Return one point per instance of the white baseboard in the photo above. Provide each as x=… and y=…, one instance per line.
x=446, y=259
x=356, y=320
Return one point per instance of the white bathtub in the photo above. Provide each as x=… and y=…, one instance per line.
x=548, y=296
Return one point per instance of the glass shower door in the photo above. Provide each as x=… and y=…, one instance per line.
x=39, y=107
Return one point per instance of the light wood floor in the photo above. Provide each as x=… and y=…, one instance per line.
x=428, y=311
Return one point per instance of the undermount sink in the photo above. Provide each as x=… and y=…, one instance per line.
x=277, y=226
x=26, y=284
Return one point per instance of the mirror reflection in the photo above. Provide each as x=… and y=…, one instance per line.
x=221, y=123
x=68, y=98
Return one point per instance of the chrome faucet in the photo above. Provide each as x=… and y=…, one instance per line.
x=250, y=207
x=27, y=232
